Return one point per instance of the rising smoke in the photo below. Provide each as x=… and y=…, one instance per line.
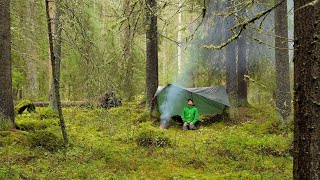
x=199, y=61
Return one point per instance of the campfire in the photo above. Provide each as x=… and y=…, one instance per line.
x=164, y=122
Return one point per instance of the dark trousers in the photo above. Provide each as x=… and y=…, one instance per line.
x=178, y=119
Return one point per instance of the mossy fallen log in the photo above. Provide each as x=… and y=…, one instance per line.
x=64, y=104
x=24, y=105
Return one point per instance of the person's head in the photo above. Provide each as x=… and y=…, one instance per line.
x=190, y=102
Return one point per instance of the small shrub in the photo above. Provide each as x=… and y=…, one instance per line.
x=47, y=113
x=8, y=173
x=150, y=136
x=31, y=125
x=12, y=137
x=142, y=118
x=196, y=163
x=5, y=124
x=46, y=140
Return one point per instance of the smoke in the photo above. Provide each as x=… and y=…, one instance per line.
x=172, y=96
x=197, y=60
x=200, y=64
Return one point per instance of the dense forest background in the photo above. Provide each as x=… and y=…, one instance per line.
x=89, y=70
x=103, y=48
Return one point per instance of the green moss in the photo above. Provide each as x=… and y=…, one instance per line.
x=12, y=137
x=8, y=173
x=115, y=144
x=22, y=105
x=46, y=140
x=47, y=113
x=143, y=117
x=5, y=124
x=27, y=124
x=150, y=136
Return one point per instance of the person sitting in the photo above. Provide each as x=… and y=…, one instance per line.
x=190, y=116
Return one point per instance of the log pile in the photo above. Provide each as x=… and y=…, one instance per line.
x=109, y=100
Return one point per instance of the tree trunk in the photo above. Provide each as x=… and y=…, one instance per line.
x=242, y=71
x=53, y=59
x=283, y=94
x=127, y=49
x=307, y=90
x=164, y=60
x=151, y=52
x=31, y=73
x=54, y=14
x=231, y=62
x=179, y=55
x=6, y=96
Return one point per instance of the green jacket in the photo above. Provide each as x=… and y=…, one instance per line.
x=190, y=114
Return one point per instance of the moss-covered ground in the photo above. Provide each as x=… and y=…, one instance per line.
x=124, y=143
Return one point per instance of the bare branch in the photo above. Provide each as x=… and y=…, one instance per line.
x=313, y=3
x=213, y=47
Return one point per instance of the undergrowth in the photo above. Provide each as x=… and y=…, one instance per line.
x=124, y=143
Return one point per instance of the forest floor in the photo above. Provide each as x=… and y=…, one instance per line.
x=124, y=143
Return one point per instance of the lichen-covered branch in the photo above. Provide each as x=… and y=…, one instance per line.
x=242, y=26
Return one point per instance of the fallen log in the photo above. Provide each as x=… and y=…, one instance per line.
x=64, y=104
x=24, y=105
x=106, y=100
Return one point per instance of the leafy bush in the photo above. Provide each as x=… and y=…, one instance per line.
x=12, y=137
x=8, y=173
x=5, y=123
x=46, y=113
x=150, y=136
x=46, y=140
x=31, y=125
x=144, y=117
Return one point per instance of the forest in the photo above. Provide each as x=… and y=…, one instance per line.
x=160, y=89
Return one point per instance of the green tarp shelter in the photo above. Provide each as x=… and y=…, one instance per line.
x=208, y=100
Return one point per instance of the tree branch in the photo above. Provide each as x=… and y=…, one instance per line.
x=242, y=27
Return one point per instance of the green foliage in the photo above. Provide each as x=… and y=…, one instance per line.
x=8, y=173
x=44, y=119
x=46, y=140
x=114, y=144
x=12, y=137
x=150, y=136
x=262, y=83
x=5, y=123
x=17, y=79
x=33, y=125
x=144, y=117
x=48, y=113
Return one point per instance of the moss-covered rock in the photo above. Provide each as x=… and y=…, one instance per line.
x=46, y=140
x=24, y=105
x=33, y=125
x=150, y=136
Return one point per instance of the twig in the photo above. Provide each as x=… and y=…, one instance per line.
x=313, y=3
x=213, y=47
